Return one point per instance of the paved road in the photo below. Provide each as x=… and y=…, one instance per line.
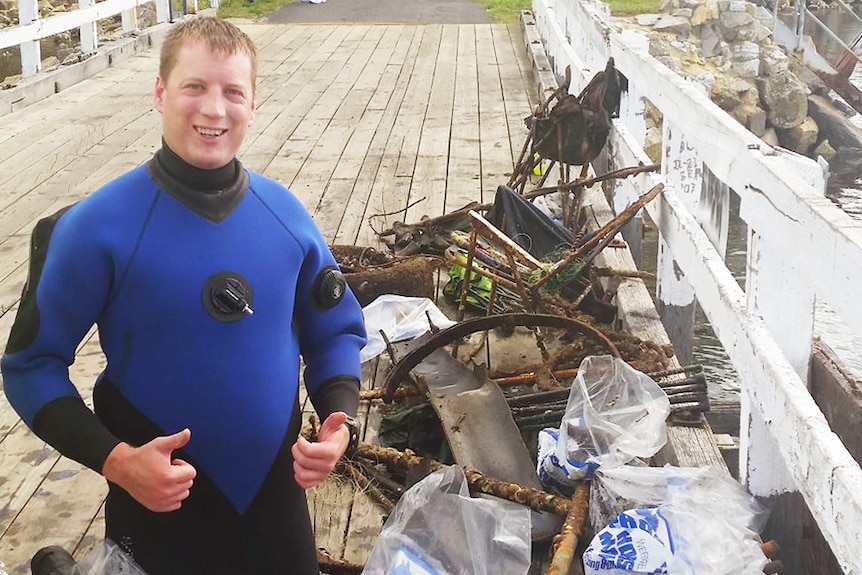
x=383, y=12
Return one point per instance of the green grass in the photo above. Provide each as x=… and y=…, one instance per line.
x=510, y=10
x=632, y=7
x=500, y=10
x=506, y=10
x=248, y=9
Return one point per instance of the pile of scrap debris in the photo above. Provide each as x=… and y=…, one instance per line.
x=511, y=272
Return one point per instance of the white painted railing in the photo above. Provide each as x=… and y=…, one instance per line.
x=31, y=28
x=801, y=248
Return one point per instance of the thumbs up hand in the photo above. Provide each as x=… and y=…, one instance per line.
x=150, y=474
x=312, y=462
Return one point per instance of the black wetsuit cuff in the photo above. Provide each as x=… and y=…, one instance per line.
x=69, y=426
x=340, y=393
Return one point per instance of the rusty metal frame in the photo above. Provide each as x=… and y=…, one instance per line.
x=401, y=369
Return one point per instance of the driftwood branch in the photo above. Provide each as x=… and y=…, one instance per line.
x=534, y=498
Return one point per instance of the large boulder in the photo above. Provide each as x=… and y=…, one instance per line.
x=785, y=100
x=800, y=138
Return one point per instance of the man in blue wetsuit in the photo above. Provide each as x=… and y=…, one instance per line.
x=207, y=283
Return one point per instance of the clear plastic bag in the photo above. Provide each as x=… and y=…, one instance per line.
x=716, y=524
x=627, y=487
x=104, y=559
x=108, y=559
x=400, y=317
x=438, y=529
x=614, y=415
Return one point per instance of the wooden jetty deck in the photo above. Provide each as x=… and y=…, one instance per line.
x=355, y=119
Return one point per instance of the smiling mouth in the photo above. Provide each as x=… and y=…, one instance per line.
x=209, y=132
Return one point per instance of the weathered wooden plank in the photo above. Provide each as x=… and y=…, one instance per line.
x=82, y=125
x=68, y=495
x=287, y=163
x=388, y=99
x=519, y=82
x=329, y=126
x=47, y=114
x=284, y=95
x=463, y=179
x=93, y=537
x=395, y=173
x=358, y=150
x=366, y=516
x=69, y=183
x=494, y=138
x=335, y=503
x=52, y=500
x=432, y=158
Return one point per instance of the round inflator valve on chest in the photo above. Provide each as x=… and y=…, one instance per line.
x=227, y=296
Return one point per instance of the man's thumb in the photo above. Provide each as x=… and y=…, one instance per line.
x=170, y=443
x=332, y=423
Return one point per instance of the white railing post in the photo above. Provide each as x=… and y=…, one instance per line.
x=771, y=294
x=31, y=52
x=626, y=190
x=681, y=171
x=163, y=10
x=776, y=292
x=129, y=18
x=89, y=32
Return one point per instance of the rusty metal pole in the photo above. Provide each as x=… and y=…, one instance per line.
x=534, y=498
x=605, y=234
x=566, y=543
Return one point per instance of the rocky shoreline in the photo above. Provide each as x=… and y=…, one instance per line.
x=727, y=48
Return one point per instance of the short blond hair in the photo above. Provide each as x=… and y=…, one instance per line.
x=219, y=35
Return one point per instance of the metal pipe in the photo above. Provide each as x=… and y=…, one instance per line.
x=566, y=542
x=534, y=498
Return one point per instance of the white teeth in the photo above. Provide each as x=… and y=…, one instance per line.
x=209, y=132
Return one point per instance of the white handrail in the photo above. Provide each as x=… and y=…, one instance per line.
x=809, y=241
x=29, y=33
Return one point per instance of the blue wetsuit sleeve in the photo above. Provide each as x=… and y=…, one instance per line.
x=67, y=285
x=331, y=334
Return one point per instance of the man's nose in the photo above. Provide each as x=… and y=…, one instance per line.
x=213, y=104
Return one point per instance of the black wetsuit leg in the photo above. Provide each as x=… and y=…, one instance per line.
x=206, y=536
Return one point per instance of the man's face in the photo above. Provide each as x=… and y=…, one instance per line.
x=206, y=104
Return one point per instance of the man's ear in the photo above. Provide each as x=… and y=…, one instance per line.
x=159, y=94
x=253, y=109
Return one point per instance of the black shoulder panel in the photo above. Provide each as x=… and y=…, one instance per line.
x=26, y=324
